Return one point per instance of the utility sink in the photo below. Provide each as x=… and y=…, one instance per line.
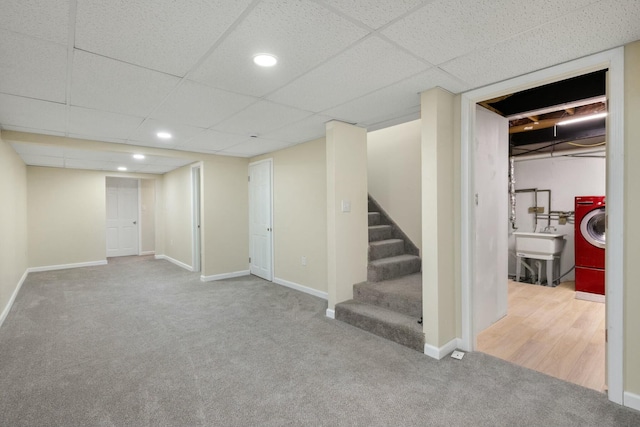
x=538, y=244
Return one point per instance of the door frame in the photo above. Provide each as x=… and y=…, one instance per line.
x=196, y=216
x=139, y=209
x=272, y=260
x=613, y=60
x=139, y=217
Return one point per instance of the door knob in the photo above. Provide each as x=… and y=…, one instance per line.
x=135, y=222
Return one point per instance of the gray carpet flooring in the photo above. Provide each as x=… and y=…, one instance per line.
x=141, y=342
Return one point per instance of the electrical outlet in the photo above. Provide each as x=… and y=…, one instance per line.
x=457, y=354
x=303, y=261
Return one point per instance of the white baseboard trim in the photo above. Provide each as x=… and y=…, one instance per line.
x=588, y=296
x=7, y=308
x=331, y=314
x=224, y=276
x=174, y=261
x=66, y=266
x=301, y=288
x=632, y=400
x=147, y=253
x=439, y=353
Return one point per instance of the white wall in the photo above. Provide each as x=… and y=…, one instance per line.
x=176, y=209
x=394, y=175
x=632, y=226
x=566, y=177
x=439, y=229
x=300, y=213
x=13, y=225
x=225, y=215
x=147, y=215
x=67, y=214
x=347, y=232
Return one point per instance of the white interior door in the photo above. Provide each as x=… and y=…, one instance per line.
x=491, y=187
x=260, y=221
x=122, y=217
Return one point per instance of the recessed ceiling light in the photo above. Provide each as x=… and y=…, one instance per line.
x=265, y=60
x=138, y=156
x=164, y=135
x=122, y=168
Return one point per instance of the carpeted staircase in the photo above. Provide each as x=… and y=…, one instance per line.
x=389, y=303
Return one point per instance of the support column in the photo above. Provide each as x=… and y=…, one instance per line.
x=438, y=222
x=347, y=223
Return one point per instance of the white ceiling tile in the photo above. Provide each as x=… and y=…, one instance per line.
x=38, y=160
x=445, y=29
x=43, y=19
x=166, y=161
x=211, y=141
x=261, y=117
x=375, y=13
x=395, y=100
x=70, y=153
x=199, y=105
x=372, y=64
x=304, y=130
x=300, y=33
x=255, y=147
x=105, y=84
x=84, y=121
x=165, y=35
x=32, y=67
x=38, y=149
x=155, y=169
x=90, y=164
x=32, y=113
x=564, y=39
x=147, y=133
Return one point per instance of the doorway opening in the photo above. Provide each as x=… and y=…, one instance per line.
x=613, y=61
x=556, y=157
x=196, y=180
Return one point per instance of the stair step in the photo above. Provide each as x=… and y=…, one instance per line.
x=379, y=232
x=388, y=324
x=390, y=268
x=403, y=295
x=385, y=249
x=374, y=218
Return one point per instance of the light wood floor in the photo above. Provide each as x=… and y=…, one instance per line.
x=548, y=330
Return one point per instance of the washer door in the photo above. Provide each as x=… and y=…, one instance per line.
x=592, y=228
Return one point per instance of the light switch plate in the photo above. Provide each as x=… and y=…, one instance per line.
x=457, y=355
x=346, y=206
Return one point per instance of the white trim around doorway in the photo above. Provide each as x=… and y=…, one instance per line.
x=196, y=217
x=613, y=60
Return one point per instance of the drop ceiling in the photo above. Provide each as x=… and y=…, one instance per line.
x=121, y=71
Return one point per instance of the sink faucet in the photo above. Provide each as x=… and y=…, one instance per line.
x=549, y=229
